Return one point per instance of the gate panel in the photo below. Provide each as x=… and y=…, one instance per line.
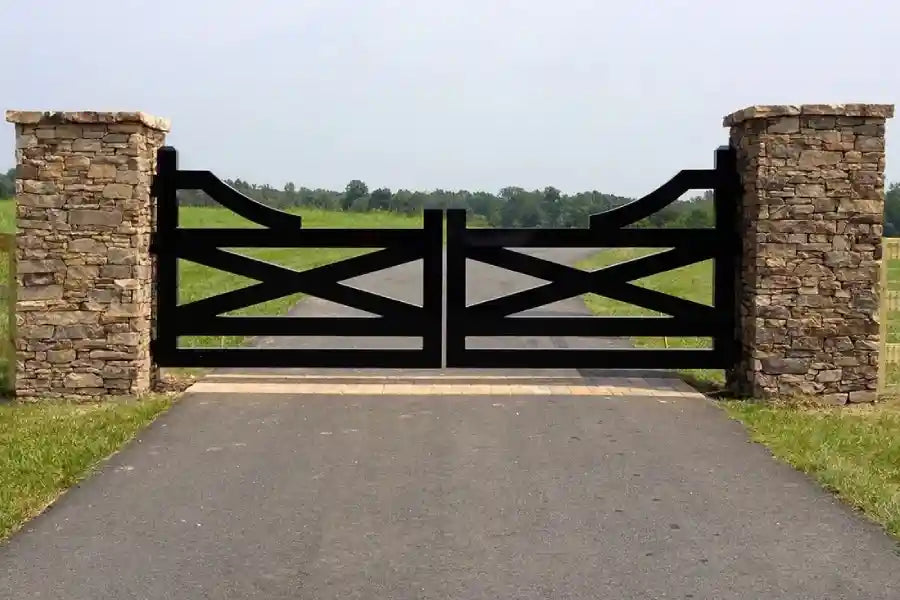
x=284, y=230
x=607, y=230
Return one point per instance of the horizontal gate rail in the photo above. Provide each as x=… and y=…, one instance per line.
x=311, y=238
x=571, y=358
x=251, y=358
x=213, y=248
x=587, y=238
x=591, y=326
x=496, y=317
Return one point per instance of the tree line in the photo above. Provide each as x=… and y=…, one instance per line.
x=510, y=207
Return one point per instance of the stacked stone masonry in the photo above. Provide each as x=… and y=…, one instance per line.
x=84, y=273
x=811, y=224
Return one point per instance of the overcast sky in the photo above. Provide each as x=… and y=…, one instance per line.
x=474, y=94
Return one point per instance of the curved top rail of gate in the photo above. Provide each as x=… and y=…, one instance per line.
x=667, y=193
x=224, y=194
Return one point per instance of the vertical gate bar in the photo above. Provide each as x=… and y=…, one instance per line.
x=456, y=286
x=726, y=197
x=433, y=286
x=165, y=188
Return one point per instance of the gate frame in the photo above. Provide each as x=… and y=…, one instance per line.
x=607, y=230
x=284, y=230
x=490, y=318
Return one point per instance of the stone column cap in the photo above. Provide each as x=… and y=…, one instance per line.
x=36, y=117
x=763, y=111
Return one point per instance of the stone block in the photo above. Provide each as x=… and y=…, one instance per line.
x=39, y=187
x=122, y=256
x=102, y=171
x=779, y=366
x=110, y=218
x=86, y=145
x=82, y=380
x=61, y=356
x=859, y=396
x=52, y=265
x=87, y=246
x=829, y=376
x=118, y=190
x=40, y=292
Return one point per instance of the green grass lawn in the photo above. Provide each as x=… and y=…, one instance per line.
x=48, y=447
x=853, y=451
x=693, y=282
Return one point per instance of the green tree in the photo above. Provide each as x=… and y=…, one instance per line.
x=401, y=201
x=550, y=205
x=361, y=204
x=355, y=190
x=8, y=184
x=380, y=199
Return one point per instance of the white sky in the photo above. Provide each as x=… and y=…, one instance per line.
x=474, y=94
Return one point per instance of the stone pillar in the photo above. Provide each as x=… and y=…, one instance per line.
x=811, y=222
x=84, y=219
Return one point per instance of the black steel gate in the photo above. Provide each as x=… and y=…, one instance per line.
x=284, y=230
x=490, y=318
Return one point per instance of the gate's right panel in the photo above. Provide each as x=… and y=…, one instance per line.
x=675, y=248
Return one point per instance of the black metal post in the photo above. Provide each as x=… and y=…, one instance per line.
x=433, y=286
x=164, y=347
x=456, y=286
x=726, y=197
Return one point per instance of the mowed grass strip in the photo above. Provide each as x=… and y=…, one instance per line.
x=48, y=447
x=853, y=451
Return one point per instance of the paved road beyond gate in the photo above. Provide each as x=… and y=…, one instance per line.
x=494, y=317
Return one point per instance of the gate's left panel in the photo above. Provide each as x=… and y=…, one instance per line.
x=200, y=323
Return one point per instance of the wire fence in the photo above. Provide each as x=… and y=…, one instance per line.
x=889, y=369
x=8, y=314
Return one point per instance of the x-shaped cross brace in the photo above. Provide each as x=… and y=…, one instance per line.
x=612, y=281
